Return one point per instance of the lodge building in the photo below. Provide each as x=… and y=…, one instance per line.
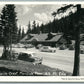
x=46, y=39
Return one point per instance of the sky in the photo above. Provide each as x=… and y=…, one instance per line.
x=41, y=13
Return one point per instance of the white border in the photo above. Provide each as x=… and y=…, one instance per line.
x=41, y=78
x=41, y=2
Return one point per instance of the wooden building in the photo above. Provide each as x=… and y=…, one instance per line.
x=46, y=39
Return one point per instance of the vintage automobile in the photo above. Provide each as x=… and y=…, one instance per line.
x=30, y=57
x=63, y=47
x=81, y=50
x=18, y=45
x=28, y=46
x=47, y=49
x=37, y=60
x=39, y=46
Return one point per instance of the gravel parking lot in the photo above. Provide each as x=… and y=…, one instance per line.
x=62, y=59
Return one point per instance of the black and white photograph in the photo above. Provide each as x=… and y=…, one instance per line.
x=42, y=40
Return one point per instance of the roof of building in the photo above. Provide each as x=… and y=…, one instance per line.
x=41, y=37
x=56, y=37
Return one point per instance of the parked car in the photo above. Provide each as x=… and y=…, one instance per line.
x=28, y=46
x=39, y=46
x=62, y=47
x=47, y=49
x=24, y=56
x=18, y=45
x=81, y=50
x=37, y=60
x=31, y=57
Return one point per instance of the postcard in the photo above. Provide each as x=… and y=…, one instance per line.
x=41, y=41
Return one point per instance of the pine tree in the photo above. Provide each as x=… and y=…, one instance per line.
x=29, y=28
x=34, y=29
x=38, y=29
x=23, y=33
x=4, y=26
x=1, y=33
x=9, y=26
x=12, y=20
x=19, y=34
x=42, y=28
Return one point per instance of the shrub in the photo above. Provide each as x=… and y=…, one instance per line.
x=6, y=55
x=14, y=56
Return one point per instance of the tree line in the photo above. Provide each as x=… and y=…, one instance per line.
x=64, y=25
